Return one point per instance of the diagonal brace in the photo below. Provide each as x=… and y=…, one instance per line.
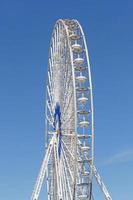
x=101, y=184
x=40, y=178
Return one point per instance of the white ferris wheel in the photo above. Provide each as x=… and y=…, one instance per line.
x=68, y=163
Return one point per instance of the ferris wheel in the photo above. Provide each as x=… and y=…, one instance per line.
x=69, y=119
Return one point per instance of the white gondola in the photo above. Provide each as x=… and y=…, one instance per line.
x=83, y=112
x=72, y=27
x=82, y=184
x=81, y=78
x=84, y=123
x=78, y=61
x=80, y=68
x=69, y=22
x=86, y=160
x=85, y=173
x=74, y=36
x=83, y=197
x=85, y=148
x=77, y=48
x=83, y=100
x=82, y=89
x=83, y=136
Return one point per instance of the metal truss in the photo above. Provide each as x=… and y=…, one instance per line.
x=40, y=178
x=101, y=184
x=63, y=182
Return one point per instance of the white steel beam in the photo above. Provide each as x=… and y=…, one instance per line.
x=67, y=164
x=101, y=184
x=66, y=176
x=40, y=178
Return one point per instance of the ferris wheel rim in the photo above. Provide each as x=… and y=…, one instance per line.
x=91, y=96
x=72, y=67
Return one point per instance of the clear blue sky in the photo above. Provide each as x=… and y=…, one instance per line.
x=25, y=31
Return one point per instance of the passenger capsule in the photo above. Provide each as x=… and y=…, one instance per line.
x=69, y=22
x=82, y=99
x=83, y=136
x=83, y=112
x=81, y=78
x=80, y=68
x=82, y=184
x=78, y=61
x=84, y=124
x=73, y=27
x=83, y=196
x=85, y=173
x=74, y=37
x=85, y=148
x=77, y=48
x=82, y=89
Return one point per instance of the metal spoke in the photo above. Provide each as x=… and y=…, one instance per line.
x=50, y=110
x=70, y=154
x=66, y=176
x=67, y=164
x=49, y=120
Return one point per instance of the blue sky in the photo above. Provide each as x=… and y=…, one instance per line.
x=25, y=31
